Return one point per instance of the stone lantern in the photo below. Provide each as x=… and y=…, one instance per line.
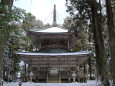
x=31, y=75
x=74, y=76
x=18, y=75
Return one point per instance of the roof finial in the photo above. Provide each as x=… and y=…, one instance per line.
x=54, y=14
x=54, y=17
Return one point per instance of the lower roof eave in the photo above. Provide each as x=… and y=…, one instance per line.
x=32, y=58
x=54, y=54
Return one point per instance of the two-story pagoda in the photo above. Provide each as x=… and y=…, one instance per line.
x=54, y=60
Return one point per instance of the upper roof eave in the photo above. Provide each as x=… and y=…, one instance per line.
x=51, y=30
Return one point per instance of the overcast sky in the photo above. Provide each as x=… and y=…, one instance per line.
x=43, y=9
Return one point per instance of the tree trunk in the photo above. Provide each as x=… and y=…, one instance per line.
x=0, y=57
x=111, y=32
x=2, y=39
x=99, y=46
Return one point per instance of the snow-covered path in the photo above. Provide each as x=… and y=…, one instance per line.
x=89, y=83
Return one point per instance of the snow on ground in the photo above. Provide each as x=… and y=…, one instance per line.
x=89, y=83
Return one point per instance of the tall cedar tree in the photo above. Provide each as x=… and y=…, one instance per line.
x=99, y=45
x=111, y=32
x=98, y=37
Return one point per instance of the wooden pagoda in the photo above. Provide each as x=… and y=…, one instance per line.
x=53, y=60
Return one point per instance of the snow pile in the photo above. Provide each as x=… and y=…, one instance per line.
x=89, y=83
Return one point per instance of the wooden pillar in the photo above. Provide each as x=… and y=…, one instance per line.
x=25, y=69
x=68, y=69
x=29, y=69
x=87, y=68
x=90, y=69
x=68, y=44
x=69, y=79
x=59, y=78
x=59, y=72
x=78, y=76
x=47, y=78
x=69, y=76
x=40, y=45
x=95, y=71
x=84, y=73
x=78, y=68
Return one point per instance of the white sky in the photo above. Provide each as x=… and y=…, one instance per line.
x=43, y=9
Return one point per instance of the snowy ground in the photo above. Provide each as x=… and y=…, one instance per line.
x=89, y=83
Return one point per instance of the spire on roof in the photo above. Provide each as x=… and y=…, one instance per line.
x=54, y=17
x=54, y=14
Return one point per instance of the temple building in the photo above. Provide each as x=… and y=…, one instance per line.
x=53, y=59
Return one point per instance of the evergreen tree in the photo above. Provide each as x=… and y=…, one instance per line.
x=87, y=12
x=111, y=31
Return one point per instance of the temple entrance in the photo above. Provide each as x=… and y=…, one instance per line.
x=53, y=79
x=53, y=76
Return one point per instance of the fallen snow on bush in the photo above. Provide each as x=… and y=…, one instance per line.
x=89, y=83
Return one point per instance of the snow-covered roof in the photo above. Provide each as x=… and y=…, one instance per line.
x=52, y=30
x=55, y=54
